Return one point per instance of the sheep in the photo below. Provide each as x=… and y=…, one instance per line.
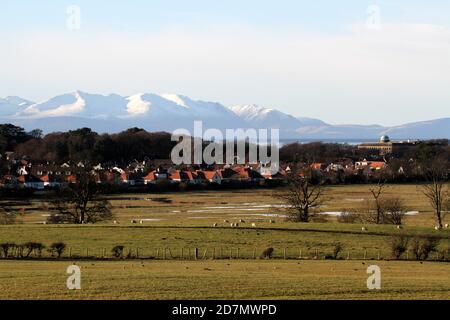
x=399, y=227
x=364, y=229
x=215, y=225
x=253, y=225
x=437, y=228
x=133, y=221
x=232, y=225
x=241, y=221
x=141, y=222
x=115, y=222
x=447, y=226
x=226, y=221
x=271, y=221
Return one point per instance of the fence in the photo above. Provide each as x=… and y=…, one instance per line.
x=218, y=253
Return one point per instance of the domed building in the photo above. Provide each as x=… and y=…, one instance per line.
x=387, y=146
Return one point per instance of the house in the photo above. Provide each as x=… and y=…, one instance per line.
x=31, y=182
x=150, y=178
x=210, y=176
x=52, y=181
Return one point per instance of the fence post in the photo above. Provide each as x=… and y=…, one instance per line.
x=231, y=253
x=137, y=253
x=300, y=252
x=365, y=254
x=284, y=253
x=157, y=254
x=379, y=255
x=254, y=254
x=196, y=253
x=348, y=255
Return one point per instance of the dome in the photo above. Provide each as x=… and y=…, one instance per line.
x=385, y=139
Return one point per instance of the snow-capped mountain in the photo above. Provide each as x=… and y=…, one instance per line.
x=11, y=105
x=266, y=118
x=167, y=112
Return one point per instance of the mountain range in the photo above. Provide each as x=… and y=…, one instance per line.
x=167, y=112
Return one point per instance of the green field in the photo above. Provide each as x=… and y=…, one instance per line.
x=224, y=280
x=176, y=223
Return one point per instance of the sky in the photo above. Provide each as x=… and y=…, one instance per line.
x=366, y=62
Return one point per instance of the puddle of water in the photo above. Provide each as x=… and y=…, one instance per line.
x=331, y=213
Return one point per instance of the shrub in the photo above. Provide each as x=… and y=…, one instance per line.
x=394, y=211
x=267, y=254
x=423, y=247
x=338, y=247
x=57, y=248
x=444, y=254
x=117, y=251
x=348, y=217
x=34, y=247
x=399, y=245
x=5, y=249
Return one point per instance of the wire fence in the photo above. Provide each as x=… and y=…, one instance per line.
x=217, y=253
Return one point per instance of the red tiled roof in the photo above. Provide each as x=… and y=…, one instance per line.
x=151, y=176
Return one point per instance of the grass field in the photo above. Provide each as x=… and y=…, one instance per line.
x=224, y=280
x=184, y=221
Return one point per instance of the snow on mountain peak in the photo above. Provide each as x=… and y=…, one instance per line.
x=176, y=98
x=137, y=106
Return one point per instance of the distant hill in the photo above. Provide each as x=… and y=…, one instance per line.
x=167, y=112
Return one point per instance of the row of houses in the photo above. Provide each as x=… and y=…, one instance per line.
x=40, y=177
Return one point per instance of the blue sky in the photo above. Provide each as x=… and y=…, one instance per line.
x=308, y=58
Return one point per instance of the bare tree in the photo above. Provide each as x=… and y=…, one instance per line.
x=394, y=211
x=80, y=202
x=436, y=189
x=377, y=194
x=301, y=194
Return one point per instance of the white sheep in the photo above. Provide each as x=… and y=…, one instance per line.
x=241, y=221
x=437, y=228
x=364, y=229
x=115, y=222
x=272, y=221
x=254, y=225
x=399, y=227
x=226, y=221
x=447, y=226
x=215, y=225
x=141, y=222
